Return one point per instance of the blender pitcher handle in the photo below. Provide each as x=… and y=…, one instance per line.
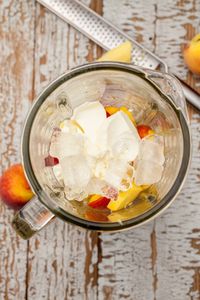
x=31, y=218
x=170, y=86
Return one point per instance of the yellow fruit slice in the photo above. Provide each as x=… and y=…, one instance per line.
x=94, y=198
x=124, y=198
x=112, y=109
x=139, y=208
x=121, y=53
x=128, y=113
x=141, y=205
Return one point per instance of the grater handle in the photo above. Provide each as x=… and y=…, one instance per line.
x=190, y=94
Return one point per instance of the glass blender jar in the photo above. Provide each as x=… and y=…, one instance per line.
x=151, y=96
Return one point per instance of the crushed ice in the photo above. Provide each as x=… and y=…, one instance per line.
x=96, y=153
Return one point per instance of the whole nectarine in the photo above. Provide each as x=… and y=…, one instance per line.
x=14, y=188
x=192, y=55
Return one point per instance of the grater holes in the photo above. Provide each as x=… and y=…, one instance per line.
x=96, y=28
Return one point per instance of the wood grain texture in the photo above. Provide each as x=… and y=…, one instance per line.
x=178, y=235
x=126, y=271
x=176, y=24
x=160, y=260
x=178, y=260
x=62, y=260
x=16, y=75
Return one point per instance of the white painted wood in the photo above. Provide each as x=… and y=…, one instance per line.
x=125, y=271
x=16, y=75
x=175, y=26
x=62, y=263
x=62, y=259
x=136, y=18
x=160, y=260
x=178, y=230
x=178, y=236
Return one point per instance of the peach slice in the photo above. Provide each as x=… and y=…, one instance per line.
x=124, y=198
x=122, y=53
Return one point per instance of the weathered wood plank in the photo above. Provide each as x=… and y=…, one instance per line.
x=178, y=236
x=177, y=231
x=161, y=259
x=125, y=271
x=62, y=259
x=136, y=18
x=126, y=268
x=176, y=24
x=16, y=75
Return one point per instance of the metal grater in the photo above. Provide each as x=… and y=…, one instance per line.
x=105, y=34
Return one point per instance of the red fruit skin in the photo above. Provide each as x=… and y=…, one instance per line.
x=143, y=130
x=100, y=203
x=51, y=161
x=14, y=188
x=107, y=114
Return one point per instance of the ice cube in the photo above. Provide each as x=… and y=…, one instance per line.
x=127, y=180
x=100, y=167
x=126, y=147
x=98, y=146
x=95, y=186
x=75, y=171
x=120, y=123
x=90, y=116
x=94, y=149
x=70, y=144
x=121, y=130
x=75, y=194
x=152, y=149
x=66, y=144
x=117, y=172
x=147, y=172
x=91, y=161
x=100, y=187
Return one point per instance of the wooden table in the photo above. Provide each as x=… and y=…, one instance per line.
x=160, y=260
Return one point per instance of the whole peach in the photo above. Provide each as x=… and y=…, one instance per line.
x=192, y=55
x=14, y=188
